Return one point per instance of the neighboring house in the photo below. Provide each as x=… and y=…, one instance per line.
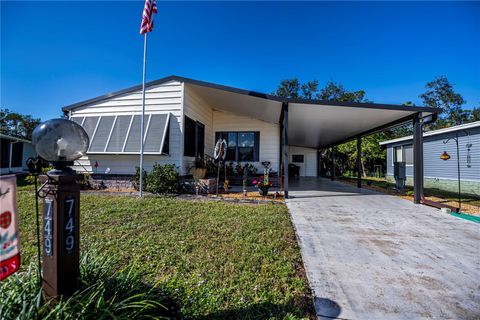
x=14, y=154
x=438, y=173
x=185, y=117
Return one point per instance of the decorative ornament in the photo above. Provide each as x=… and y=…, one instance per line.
x=220, y=151
x=445, y=156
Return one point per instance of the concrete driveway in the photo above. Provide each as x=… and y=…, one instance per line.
x=374, y=256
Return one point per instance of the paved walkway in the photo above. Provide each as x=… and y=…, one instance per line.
x=375, y=256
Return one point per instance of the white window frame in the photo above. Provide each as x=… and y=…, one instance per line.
x=401, y=150
x=167, y=125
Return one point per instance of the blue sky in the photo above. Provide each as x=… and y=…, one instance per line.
x=57, y=53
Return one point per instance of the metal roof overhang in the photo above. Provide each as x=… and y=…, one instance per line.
x=320, y=125
x=248, y=105
x=311, y=123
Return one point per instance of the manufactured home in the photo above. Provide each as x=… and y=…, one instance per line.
x=185, y=117
x=442, y=162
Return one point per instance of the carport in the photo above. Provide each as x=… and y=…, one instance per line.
x=324, y=124
x=319, y=124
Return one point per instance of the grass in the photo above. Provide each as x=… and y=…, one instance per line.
x=473, y=200
x=216, y=260
x=106, y=292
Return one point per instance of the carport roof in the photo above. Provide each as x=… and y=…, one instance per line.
x=311, y=123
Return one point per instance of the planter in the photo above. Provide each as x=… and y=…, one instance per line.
x=210, y=185
x=198, y=173
x=263, y=192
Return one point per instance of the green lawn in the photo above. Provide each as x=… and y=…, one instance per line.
x=215, y=260
x=428, y=192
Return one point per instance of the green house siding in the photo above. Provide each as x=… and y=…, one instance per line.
x=468, y=187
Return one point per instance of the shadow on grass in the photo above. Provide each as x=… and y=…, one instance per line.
x=301, y=308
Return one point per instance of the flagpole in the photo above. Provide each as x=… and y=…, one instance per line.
x=143, y=113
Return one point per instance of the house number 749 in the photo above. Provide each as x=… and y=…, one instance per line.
x=69, y=225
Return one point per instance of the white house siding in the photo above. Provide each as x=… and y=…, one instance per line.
x=164, y=98
x=197, y=109
x=309, y=166
x=269, y=135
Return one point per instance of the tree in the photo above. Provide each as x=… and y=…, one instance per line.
x=440, y=94
x=334, y=91
x=475, y=114
x=288, y=88
x=16, y=124
x=309, y=89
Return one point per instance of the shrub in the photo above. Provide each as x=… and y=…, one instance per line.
x=348, y=174
x=31, y=179
x=251, y=169
x=162, y=179
x=85, y=182
x=136, y=178
x=105, y=293
x=229, y=168
x=239, y=169
x=212, y=167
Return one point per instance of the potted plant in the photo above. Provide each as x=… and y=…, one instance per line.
x=199, y=168
x=263, y=185
x=198, y=171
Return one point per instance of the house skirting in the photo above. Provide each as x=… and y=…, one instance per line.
x=467, y=187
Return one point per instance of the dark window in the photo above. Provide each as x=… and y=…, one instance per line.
x=5, y=153
x=200, y=139
x=166, y=143
x=297, y=158
x=241, y=146
x=17, y=154
x=194, y=138
x=189, y=138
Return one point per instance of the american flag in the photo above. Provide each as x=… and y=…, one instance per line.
x=147, y=16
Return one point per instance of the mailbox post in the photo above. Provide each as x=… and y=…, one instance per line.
x=60, y=141
x=61, y=235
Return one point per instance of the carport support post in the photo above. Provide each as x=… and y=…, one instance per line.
x=359, y=162
x=285, y=149
x=417, y=159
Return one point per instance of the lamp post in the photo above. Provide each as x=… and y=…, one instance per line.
x=60, y=142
